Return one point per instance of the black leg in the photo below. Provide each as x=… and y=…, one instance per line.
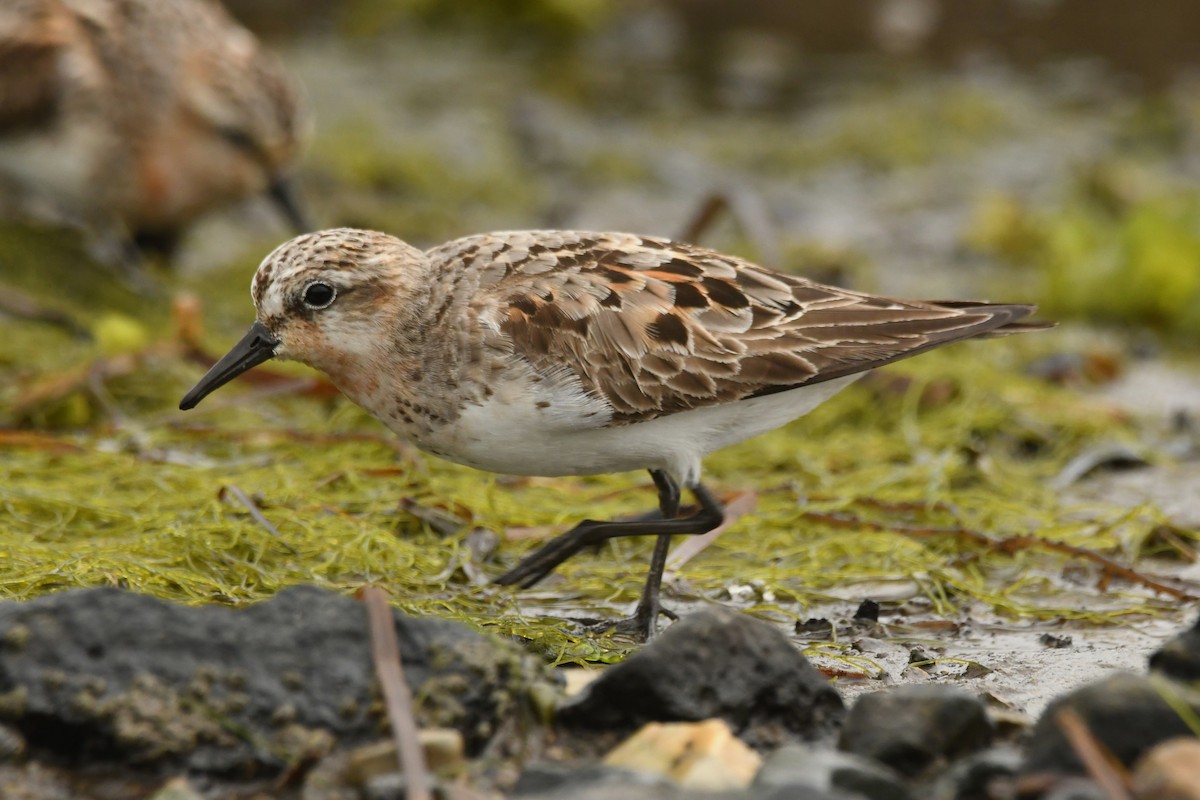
x=590, y=532
x=668, y=493
x=645, y=616
x=664, y=525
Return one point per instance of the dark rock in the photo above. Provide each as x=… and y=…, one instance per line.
x=814, y=627
x=919, y=656
x=868, y=610
x=971, y=778
x=1180, y=657
x=976, y=670
x=831, y=770
x=1055, y=641
x=1125, y=712
x=108, y=676
x=911, y=728
x=714, y=663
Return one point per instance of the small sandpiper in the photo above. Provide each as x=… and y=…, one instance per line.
x=130, y=118
x=574, y=353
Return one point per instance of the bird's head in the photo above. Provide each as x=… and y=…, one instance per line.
x=332, y=300
x=247, y=117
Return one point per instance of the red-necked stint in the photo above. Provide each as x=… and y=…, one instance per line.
x=574, y=353
x=133, y=117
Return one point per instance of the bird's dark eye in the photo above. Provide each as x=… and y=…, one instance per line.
x=239, y=139
x=319, y=295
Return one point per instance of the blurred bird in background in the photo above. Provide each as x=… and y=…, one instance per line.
x=131, y=118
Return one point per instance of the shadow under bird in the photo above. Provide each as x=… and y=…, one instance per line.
x=574, y=353
x=131, y=118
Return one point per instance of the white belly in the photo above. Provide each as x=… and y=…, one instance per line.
x=513, y=435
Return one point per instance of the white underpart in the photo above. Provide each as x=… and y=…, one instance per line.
x=510, y=434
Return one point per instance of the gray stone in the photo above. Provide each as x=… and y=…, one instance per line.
x=1180, y=657
x=714, y=663
x=831, y=770
x=913, y=728
x=970, y=778
x=106, y=676
x=1126, y=713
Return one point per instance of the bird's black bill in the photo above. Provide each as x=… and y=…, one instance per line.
x=283, y=192
x=257, y=346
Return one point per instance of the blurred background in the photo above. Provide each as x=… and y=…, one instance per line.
x=919, y=147
x=1020, y=150
x=915, y=141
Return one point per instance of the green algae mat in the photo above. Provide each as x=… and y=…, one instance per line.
x=943, y=472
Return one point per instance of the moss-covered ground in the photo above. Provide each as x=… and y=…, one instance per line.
x=105, y=483
x=918, y=475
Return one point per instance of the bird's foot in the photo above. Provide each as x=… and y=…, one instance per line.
x=641, y=626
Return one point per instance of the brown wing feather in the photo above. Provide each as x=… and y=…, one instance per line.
x=658, y=327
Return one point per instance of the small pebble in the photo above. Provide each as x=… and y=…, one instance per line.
x=704, y=756
x=1055, y=641
x=1171, y=771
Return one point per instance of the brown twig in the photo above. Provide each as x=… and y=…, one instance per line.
x=1007, y=545
x=255, y=513
x=748, y=212
x=442, y=522
x=1101, y=765
x=899, y=506
x=19, y=305
x=1169, y=536
x=104, y=398
x=47, y=389
x=738, y=507
x=51, y=388
x=703, y=217
x=36, y=441
x=844, y=674
x=385, y=652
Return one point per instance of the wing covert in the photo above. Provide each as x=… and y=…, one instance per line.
x=657, y=327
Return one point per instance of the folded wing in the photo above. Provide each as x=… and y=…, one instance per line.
x=657, y=327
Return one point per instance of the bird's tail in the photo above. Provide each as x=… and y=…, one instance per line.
x=1015, y=312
